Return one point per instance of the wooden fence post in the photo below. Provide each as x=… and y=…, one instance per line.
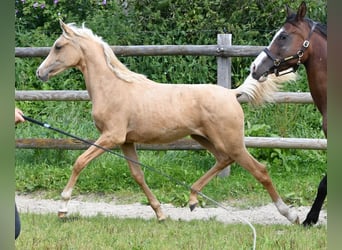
x=224, y=75
x=224, y=63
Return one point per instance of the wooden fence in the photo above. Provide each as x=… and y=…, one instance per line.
x=224, y=50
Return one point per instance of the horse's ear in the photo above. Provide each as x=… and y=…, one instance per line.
x=65, y=27
x=289, y=11
x=61, y=23
x=301, y=12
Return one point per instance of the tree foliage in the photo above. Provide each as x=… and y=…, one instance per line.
x=135, y=22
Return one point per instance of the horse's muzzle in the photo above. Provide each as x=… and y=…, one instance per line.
x=260, y=77
x=43, y=77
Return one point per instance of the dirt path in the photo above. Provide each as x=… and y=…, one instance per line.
x=267, y=214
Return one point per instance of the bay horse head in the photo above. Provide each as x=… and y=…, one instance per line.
x=289, y=47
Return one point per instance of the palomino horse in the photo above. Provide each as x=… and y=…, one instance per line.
x=129, y=108
x=300, y=41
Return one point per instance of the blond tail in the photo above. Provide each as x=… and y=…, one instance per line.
x=260, y=92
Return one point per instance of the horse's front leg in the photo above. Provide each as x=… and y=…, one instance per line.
x=313, y=215
x=81, y=162
x=129, y=151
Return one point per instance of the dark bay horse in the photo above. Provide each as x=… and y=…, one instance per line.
x=300, y=41
x=128, y=108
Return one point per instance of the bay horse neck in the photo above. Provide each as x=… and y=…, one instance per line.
x=316, y=68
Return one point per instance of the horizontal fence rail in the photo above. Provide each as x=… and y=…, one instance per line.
x=161, y=50
x=82, y=95
x=182, y=144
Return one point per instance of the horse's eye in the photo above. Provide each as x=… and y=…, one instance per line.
x=58, y=47
x=282, y=37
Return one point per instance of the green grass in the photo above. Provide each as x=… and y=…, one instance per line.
x=100, y=232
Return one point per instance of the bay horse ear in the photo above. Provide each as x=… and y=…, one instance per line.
x=301, y=12
x=289, y=11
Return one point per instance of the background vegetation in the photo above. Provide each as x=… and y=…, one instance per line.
x=296, y=173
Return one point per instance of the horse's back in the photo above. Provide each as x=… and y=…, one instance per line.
x=195, y=99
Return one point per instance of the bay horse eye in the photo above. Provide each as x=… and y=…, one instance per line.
x=282, y=36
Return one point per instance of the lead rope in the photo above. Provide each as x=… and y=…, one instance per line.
x=48, y=126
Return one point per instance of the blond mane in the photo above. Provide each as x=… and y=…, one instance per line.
x=118, y=68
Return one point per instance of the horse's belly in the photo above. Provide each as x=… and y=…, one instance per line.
x=163, y=135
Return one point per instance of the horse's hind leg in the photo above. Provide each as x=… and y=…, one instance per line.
x=260, y=173
x=129, y=151
x=313, y=214
x=222, y=161
x=81, y=162
x=204, y=180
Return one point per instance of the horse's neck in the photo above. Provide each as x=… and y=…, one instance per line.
x=97, y=75
x=317, y=79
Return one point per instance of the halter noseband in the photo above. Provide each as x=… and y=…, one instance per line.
x=279, y=61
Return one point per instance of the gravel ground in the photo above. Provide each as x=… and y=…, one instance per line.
x=84, y=206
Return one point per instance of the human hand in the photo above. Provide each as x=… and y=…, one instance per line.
x=18, y=116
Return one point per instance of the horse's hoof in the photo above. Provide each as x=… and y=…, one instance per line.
x=308, y=223
x=62, y=214
x=297, y=221
x=293, y=217
x=162, y=218
x=193, y=206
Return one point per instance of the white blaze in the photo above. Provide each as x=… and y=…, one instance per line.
x=260, y=58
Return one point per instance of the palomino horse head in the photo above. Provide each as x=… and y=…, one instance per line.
x=288, y=48
x=65, y=53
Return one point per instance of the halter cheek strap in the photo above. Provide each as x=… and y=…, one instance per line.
x=279, y=61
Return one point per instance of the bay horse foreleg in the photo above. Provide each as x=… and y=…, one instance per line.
x=259, y=171
x=129, y=151
x=312, y=216
x=81, y=162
